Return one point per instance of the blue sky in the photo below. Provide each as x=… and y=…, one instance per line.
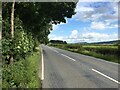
x=93, y=22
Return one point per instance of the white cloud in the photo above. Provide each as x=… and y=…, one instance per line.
x=109, y=17
x=87, y=11
x=54, y=37
x=54, y=27
x=103, y=25
x=94, y=35
x=108, y=11
x=83, y=16
x=76, y=37
x=95, y=17
x=74, y=34
x=101, y=10
x=98, y=25
x=114, y=26
x=97, y=37
x=83, y=9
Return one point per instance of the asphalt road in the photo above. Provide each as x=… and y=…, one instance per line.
x=64, y=69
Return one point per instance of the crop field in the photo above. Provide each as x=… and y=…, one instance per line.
x=106, y=52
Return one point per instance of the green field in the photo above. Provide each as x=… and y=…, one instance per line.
x=106, y=52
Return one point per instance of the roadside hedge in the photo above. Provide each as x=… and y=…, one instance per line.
x=20, y=46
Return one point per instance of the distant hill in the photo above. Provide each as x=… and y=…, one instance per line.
x=81, y=43
x=106, y=42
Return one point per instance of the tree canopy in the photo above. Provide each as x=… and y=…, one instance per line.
x=32, y=25
x=39, y=17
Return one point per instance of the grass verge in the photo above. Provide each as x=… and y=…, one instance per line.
x=111, y=58
x=23, y=73
x=82, y=50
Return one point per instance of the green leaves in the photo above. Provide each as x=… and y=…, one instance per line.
x=22, y=74
x=23, y=42
x=37, y=18
x=20, y=45
x=6, y=45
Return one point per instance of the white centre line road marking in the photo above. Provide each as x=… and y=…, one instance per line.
x=56, y=51
x=42, y=73
x=53, y=50
x=106, y=76
x=68, y=57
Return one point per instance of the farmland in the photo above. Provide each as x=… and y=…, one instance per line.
x=107, y=52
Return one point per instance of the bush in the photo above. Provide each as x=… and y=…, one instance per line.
x=73, y=46
x=22, y=74
x=20, y=46
x=14, y=75
x=6, y=49
x=107, y=50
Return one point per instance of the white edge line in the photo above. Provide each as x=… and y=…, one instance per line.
x=68, y=57
x=106, y=76
x=42, y=73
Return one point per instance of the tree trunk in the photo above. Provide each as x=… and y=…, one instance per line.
x=12, y=26
x=12, y=19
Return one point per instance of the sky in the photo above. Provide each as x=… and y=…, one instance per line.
x=93, y=22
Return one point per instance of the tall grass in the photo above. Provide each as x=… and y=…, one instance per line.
x=23, y=73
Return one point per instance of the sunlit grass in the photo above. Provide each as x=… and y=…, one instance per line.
x=106, y=52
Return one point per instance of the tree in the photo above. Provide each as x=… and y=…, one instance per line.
x=12, y=25
x=36, y=15
x=12, y=19
x=33, y=21
x=58, y=42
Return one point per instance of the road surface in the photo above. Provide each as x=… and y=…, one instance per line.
x=64, y=69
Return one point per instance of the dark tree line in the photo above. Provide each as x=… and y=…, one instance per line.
x=58, y=42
